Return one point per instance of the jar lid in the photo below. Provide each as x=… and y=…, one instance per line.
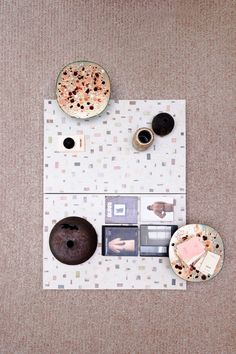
x=163, y=124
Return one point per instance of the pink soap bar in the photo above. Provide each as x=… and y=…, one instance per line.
x=191, y=250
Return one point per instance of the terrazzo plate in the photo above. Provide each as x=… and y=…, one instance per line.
x=83, y=89
x=210, y=239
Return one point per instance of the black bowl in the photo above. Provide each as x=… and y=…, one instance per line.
x=163, y=124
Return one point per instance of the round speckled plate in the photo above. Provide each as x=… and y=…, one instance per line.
x=83, y=89
x=212, y=243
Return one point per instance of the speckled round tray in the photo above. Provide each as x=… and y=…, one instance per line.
x=83, y=89
x=210, y=239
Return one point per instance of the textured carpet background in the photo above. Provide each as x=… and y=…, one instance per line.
x=151, y=49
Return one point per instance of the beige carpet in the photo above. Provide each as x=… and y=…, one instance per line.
x=151, y=49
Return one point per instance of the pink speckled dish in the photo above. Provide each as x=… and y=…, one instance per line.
x=209, y=238
x=83, y=89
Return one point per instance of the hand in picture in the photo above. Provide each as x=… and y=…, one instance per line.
x=117, y=245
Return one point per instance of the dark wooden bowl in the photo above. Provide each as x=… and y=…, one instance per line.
x=73, y=240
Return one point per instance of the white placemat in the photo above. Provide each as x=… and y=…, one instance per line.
x=76, y=183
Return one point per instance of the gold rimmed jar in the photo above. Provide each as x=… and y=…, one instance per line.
x=143, y=139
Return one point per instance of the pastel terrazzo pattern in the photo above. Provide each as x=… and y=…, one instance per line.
x=76, y=183
x=103, y=272
x=109, y=163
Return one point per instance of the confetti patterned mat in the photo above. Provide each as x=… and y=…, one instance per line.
x=76, y=183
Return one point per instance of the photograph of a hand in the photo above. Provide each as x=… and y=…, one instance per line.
x=118, y=245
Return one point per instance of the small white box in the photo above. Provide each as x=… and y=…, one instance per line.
x=79, y=143
x=209, y=263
